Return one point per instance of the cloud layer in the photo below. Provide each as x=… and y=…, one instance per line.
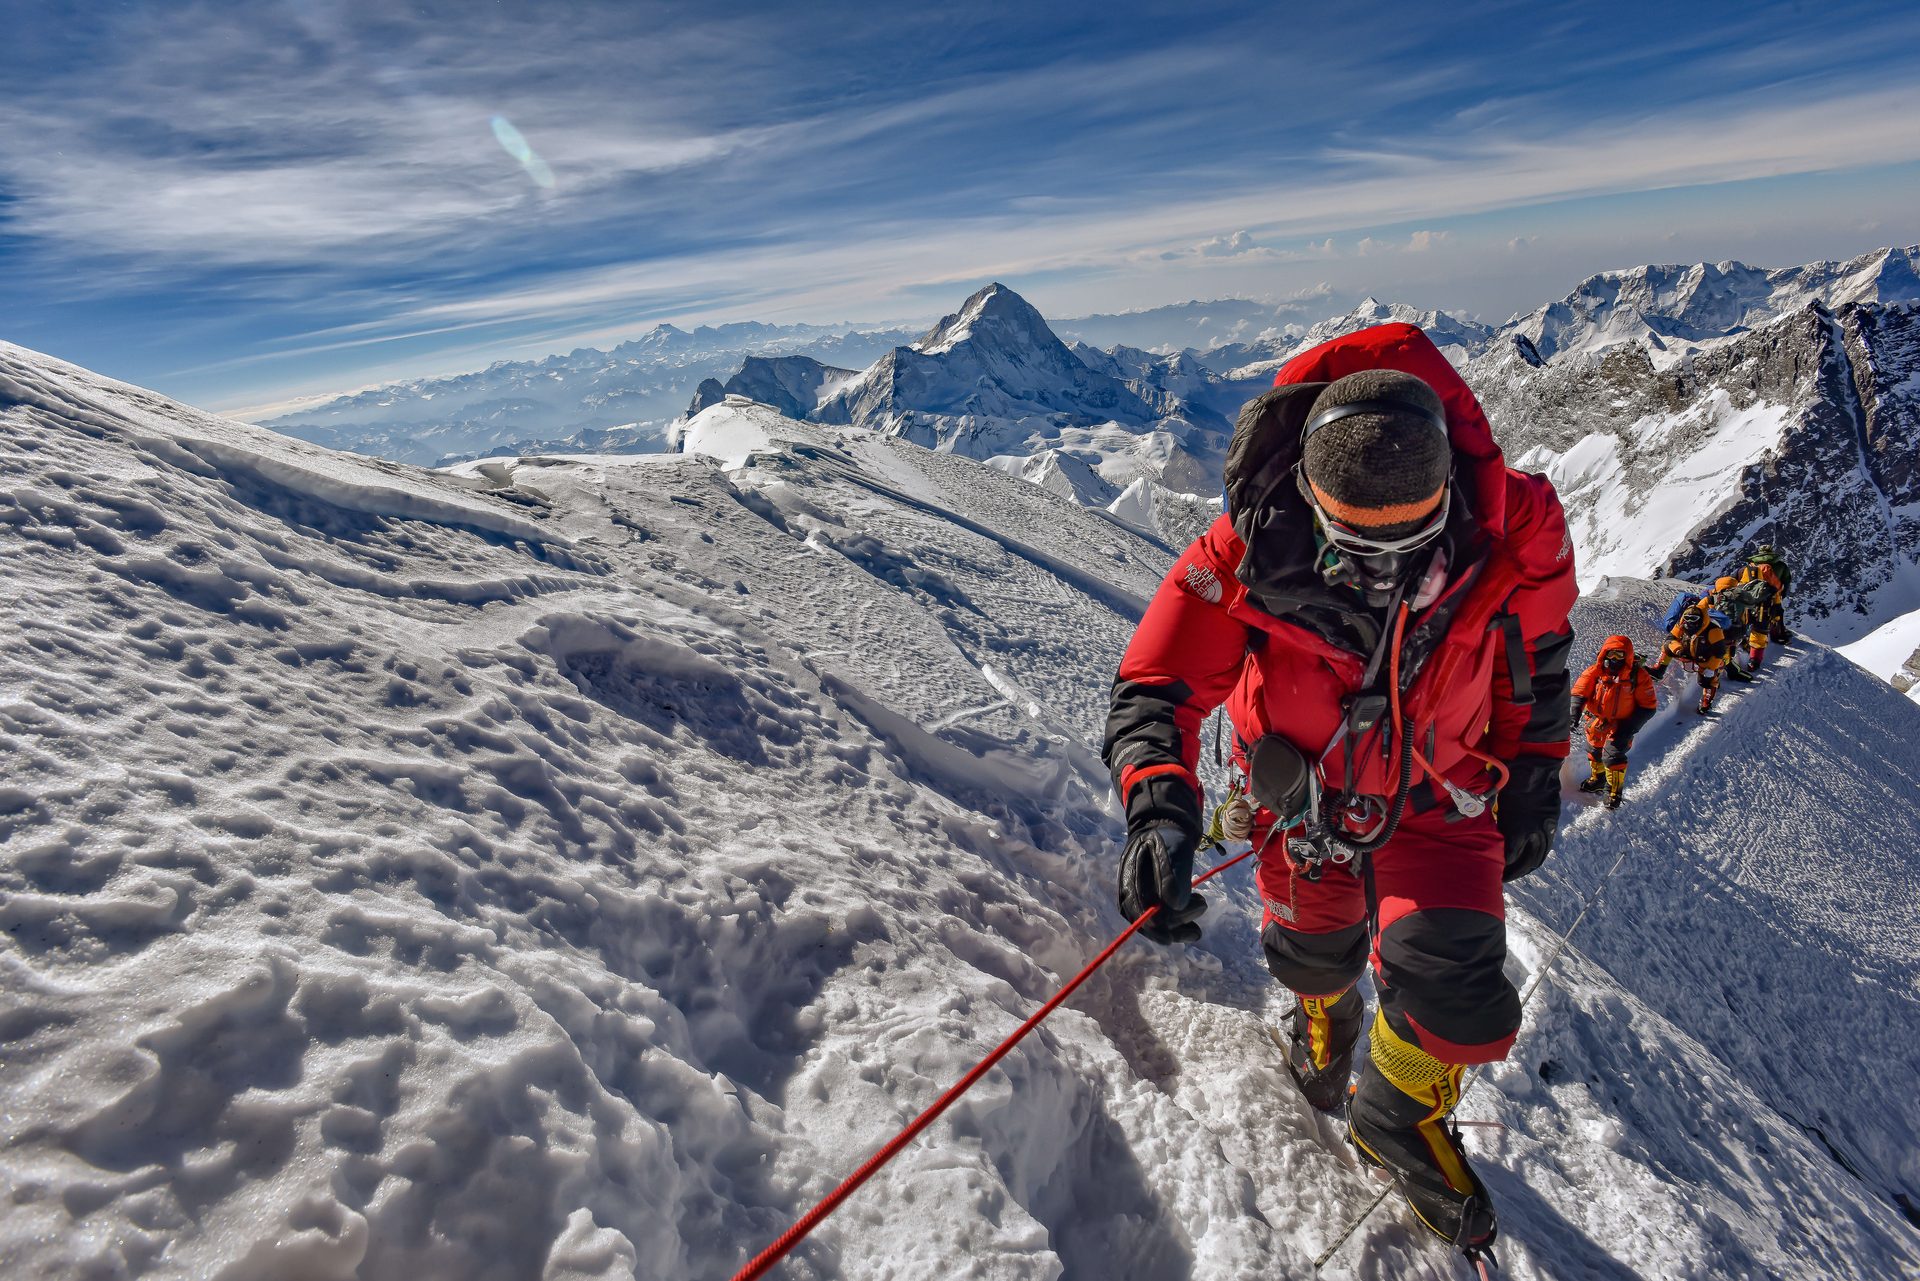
x=312, y=189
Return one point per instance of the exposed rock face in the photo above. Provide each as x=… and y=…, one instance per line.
x=794, y=385
x=1883, y=350
x=1801, y=434
x=1675, y=310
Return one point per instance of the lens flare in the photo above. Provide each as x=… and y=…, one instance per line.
x=516, y=145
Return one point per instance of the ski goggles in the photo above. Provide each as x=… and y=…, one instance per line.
x=1358, y=542
x=1613, y=662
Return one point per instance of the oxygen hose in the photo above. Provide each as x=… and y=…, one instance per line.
x=1404, y=724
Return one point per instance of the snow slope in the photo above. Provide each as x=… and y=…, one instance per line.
x=1634, y=497
x=1892, y=652
x=572, y=867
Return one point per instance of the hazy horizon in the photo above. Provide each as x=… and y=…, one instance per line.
x=240, y=207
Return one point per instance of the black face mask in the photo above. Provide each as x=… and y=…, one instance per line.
x=1376, y=577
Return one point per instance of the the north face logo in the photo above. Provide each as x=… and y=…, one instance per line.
x=1202, y=582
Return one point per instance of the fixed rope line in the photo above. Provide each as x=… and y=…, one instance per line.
x=1526, y=998
x=792, y=1237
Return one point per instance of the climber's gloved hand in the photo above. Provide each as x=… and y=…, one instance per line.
x=1156, y=868
x=1529, y=813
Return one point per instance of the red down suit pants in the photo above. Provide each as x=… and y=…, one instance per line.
x=1429, y=914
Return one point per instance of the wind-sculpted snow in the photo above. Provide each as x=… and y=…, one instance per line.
x=572, y=867
x=389, y=895
x=1767, y=905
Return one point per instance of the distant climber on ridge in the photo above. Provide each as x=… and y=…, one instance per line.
x=1763, y=580
x=1700, y=646
x=1743, y=605
x=1765, y=556
x=1615, y=696
x=1382, y=608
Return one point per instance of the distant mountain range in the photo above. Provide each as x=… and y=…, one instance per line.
x=1203, y=326
x=619, y=400
x=1686, y=415
x=1686, y=412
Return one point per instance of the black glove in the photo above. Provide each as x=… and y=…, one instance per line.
x=1658, y=670
x=1529, y=813
x=1156, y=869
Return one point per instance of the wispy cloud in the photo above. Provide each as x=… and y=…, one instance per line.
x=381, y=181
x=213, y=152
x=886, y=262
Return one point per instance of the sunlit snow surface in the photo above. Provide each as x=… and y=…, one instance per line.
x=572, y=868
x=1685, y=469
x=1889, y=648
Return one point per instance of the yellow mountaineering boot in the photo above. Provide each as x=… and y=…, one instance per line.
x=1324, y=1032
x=1596, y=775
x=1398, y=1123
x=1616, y=784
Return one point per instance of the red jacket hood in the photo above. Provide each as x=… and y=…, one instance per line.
x=1613, y=643
x=1408, y=349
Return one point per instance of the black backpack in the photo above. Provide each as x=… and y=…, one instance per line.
x=1262, y=456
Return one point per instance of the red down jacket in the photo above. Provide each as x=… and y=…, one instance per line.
x=1220, y=630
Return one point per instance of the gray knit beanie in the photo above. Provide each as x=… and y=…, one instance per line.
x=1383, y=473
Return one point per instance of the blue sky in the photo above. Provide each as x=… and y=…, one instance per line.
x=240, y=203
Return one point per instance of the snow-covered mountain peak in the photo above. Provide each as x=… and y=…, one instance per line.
x=1676, y=309
x=996, y=317
x=984, y=381
x=1458, y=337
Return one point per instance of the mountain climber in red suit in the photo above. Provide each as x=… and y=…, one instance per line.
x=1382, y=608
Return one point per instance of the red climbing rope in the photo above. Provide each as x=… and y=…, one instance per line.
x=812, y=1219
